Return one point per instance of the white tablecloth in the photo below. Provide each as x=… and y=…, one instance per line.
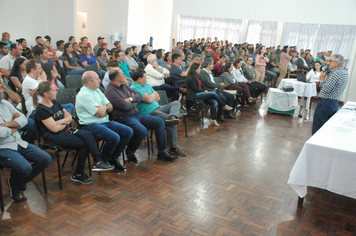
x=280, y=100
x=328, y=158
x=302, y=89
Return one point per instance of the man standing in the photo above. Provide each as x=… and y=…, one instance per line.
x=124, y=100
x=7, y=62
x=208, y=83
x=16, y=153
x=96, y=47
x=156, y=76
x=92, y=110
x=332, y=84
x=149, y=105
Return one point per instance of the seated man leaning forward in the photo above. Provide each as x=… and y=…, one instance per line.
x=92, y=110
x=16, y=153
x=124, y=101
x=149, y=105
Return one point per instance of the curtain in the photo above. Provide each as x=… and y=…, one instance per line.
x=193, y=27
x=262, y=32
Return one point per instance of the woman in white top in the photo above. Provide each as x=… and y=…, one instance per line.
x=129, y=60
x=314, y=75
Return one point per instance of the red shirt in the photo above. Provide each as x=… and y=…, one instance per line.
x=216, y=58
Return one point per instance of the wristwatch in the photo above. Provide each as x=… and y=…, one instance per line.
x=131, y=99
x=108, y=108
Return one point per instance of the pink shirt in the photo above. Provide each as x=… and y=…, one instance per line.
x=285, y=58
x=260, y=59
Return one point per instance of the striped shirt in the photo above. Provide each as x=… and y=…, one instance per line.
x=334, y=84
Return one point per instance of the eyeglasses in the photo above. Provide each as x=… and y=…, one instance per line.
x=333, y=61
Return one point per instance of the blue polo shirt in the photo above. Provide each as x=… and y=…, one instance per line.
x=145, y=108
x=125, y=68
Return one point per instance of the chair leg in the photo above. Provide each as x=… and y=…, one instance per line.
x=1, y=196
x=152, y=141
x=75, y=158
x=65, y=159
x=123, y=158
x=44, y=182
x=89, y=165
x=148, y=144
x=185, y=127
x=59, y=170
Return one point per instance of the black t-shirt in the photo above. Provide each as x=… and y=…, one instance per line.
x=43, y=113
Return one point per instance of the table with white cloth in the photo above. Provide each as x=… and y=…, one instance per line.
x=278, y=101
x=304, y=90
x=328, y=158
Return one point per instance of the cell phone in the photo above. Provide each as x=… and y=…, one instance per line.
x=72, y=130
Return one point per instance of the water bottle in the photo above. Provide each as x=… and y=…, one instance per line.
x=151, y=41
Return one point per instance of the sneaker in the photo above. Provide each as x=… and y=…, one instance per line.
x=177, y=151
x=165, y=156
x=172, y=120
x=131, y=157
x=82, y=178
x=102, y=166
x=117, y=165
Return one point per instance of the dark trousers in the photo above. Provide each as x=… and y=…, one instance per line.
x=172, y=92
x=243, y=89
x=324, y=110
x=140, y=123
x=256, y=89
x=212, y=99
x=19, y=162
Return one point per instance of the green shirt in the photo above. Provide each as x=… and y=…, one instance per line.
x=145, y=108
x=85, y=104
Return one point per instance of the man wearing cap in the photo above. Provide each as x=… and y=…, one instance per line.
x=96, y=47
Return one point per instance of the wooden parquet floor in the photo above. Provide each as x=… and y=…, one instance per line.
x=233, y=182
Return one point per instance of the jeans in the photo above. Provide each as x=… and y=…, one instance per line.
x=19, y=161
x=29, y=131
x=324, y=110
x=69, y=107
x=227, y=98
x=83, y=141
x=171, y=91
x=76, y=72
x=116, y=135
x=140, y=123
x=273, y=75
x=212, y=99
x=165, y=111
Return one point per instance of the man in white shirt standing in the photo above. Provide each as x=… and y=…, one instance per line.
x=156, y=76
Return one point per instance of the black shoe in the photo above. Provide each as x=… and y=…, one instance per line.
x=131, y=157
x=23, y=187
x=117, y=165
x=172, y=120
x=82, y=178
x=221, y=118
x=165, y=156
x=14, y=190
x=230, y=116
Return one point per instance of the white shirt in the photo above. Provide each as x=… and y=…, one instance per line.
x=29, y=84
x=60, y=61
x=211, y=75
x=154, y=77
x=238, y=75
x=313, y=76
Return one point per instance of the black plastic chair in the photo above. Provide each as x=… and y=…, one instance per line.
x=48, y=145
x=74, y=82
x=164, y=100
x=2, y=207
x=66, y=96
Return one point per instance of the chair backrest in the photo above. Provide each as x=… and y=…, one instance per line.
x=23, y=105
x=65, y=96
x=38, y=131
x=163, y=95
x=92, y=68
x=218, y=80
x=74, y=81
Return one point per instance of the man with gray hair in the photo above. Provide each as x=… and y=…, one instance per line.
x=156, y=76
x=92, y=109
x=332, y=84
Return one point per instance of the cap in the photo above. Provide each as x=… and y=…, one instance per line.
x=103, y=44
x=100, y=38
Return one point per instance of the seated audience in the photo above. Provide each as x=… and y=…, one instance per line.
x=7, y=62
x=88, y=59
x=43, y=58
x=168, y=59
x=53, y=77
x=179, y=48
x=249, y=72
x=169, y=112
x=156, y=76
x=97, y=46
x=71, y=40
x=76, y=51
x=92, y=110
x=6, y=39
x=84, y=42
x=208, y=83
x=51, y=54
x=177, y=73
x=219, y=65
x=26, y=52
x=59, y=52
x=123, y=65
x=53, y=124
x=37, y=46
x=302, y=63
x=320, y=58
x=102, y=58
x=3, y=50
x=314, y=75
x=17, y=74
x=117, y=45
x=9, y=95
x=112, y=64
x=124, y=101
x=135, y=55
x=70, y=62
x=16, y=153
x=229, y=73
x=195, y=92
x=144, y=53
x=129, y=60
